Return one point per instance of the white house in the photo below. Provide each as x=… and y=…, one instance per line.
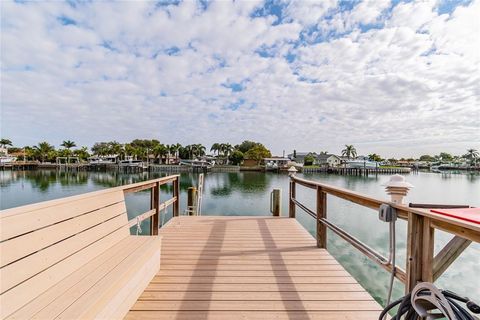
x=329, y=160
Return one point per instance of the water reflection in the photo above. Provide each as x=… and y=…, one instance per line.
x=247, y=193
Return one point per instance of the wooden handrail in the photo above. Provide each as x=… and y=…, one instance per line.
x=422, y=265
x=155, y=206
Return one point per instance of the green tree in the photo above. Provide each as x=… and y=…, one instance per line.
x=246, y=145
x=309, y=160
x=115, y=148
x=427, y=158
x=160, y=151
x=445, y=157
x=349, y=151
x=226, y=149
x=5, y=142
x=198, y=150
x=44, y=151
x=215, y=148
x=67, y=144
x=236, y=157
x=257, y=153
x=100, y=148
x=81, y=153
x=375, y=157
x=472, y=155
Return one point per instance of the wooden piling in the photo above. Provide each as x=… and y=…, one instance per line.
x=275, y=202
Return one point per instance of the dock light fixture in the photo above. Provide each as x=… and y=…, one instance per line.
x=291, y=171
x=397, y=188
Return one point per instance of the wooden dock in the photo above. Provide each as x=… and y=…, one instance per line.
x=248, y=268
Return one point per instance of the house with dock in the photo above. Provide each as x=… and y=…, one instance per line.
x=299, y=157
x=328, y=160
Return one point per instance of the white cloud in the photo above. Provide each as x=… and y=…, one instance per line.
x=130, y=69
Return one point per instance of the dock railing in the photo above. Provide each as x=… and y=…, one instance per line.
x=421, y=264
x=155, y=205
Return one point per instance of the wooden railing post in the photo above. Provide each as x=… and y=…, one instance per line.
x=420, y=243
x=291, y=204
x=427, y=250
x=321, y=213
x=176, y=193
x=155, y=204
x=414, y=243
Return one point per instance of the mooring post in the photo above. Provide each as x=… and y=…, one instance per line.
x=275, y=202
x=176, y=194
x=321, y=214
x=191, y=200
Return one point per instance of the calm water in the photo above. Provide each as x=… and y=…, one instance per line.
x=247, y=193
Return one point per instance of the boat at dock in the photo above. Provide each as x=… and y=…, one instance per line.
x=7, y=159
x=197, y=163
x=361, y=164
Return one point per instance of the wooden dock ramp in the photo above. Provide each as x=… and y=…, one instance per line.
x=248, y=268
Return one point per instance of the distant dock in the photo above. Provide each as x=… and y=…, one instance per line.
x=359, y=171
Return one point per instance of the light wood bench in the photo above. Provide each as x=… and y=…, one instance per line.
x=73, y=258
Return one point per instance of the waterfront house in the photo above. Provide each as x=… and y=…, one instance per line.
x=299, y=157
x=328, y=160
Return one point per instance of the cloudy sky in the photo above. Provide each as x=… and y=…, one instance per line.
x=399, y=78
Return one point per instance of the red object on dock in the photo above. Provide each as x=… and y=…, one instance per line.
x=467, y=214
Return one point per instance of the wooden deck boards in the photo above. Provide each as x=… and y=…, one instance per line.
x=248, y=268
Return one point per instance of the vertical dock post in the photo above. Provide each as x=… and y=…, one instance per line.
x=321, y=213
x=176, y=193
x=276, y=202
x=191, y=200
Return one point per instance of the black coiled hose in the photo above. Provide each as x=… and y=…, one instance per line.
x=426, y=299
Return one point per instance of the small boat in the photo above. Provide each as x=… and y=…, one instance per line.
x=7, y=159
x=102, y=160
x=367, y=164
x=130, y=162
x=196, y=163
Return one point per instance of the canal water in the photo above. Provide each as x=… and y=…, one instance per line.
x=248, y=193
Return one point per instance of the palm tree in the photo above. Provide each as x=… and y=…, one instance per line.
x=473, y=155
x=68, y=144
x=43, y=149
x=226, y=149
x=349, y=151
x=215, y=148
x=174, y=149
x=198, y=150
x=159, y=151
x=115, y=148
x=5, y=142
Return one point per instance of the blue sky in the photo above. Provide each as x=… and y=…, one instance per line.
x=400, y=78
